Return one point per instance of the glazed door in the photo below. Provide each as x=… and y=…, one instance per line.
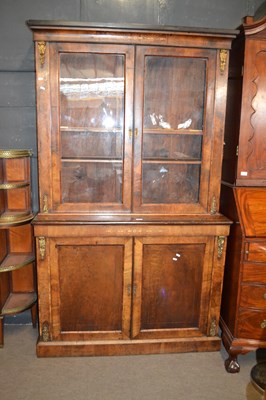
x=173, y=129
x=172, y=283
x=91, y=139
x=90, y=283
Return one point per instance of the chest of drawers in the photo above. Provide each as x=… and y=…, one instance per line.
x=243, y=320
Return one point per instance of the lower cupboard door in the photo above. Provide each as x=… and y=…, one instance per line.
x=90, y=278
x=172, y=280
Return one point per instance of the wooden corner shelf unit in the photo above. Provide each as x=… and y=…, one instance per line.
x=130, y=242
x=17, y=256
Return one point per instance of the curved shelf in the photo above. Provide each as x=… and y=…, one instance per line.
x=18, y=302
x=15, y=153
x=13, y=185
x=16, y=261
x=14, y=218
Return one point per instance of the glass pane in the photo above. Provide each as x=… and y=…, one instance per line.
x=170, y=183
x=93, y=182
x=174, y=92
x=91, y=145
x=174, y=95
x=172, y=147
x=91, y=124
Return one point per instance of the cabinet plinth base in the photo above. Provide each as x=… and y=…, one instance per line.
x=119, y=348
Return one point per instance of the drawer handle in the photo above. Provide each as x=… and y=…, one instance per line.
x=263, y=324
x=264, y=296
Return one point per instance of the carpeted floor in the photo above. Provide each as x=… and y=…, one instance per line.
x=193, y=376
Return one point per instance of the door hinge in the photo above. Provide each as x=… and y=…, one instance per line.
x=131, y=289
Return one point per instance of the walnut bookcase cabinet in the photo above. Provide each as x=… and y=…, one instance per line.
x=17, y=258
x=130, y=241
x=243, y=196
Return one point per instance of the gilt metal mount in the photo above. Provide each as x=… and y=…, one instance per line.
x=221, y=241
x=46, y=332
x=42, y=247
x=213, y=327
x=45, y=204
x=42, y=50
x=223, y=60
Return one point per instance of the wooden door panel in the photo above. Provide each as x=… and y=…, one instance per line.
x=174, y=287
x=90, y=279
x=172, y=276
x=102, y=271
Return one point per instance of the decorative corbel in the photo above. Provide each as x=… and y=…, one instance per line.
x=220, y=245
x=223, y=60
x=42, y=247
x=42, y=50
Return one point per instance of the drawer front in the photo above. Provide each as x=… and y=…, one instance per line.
x=255, y=251
x=252, y=324
x=253, y=296
x=254, y=273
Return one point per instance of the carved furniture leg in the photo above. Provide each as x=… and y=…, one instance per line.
x=231, y=364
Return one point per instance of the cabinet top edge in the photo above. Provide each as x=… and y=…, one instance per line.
x=37, y=25
x=99, y=219
x=253, y=27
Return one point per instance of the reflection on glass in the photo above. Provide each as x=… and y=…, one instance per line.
x=91, y=124
x=174, y=92
x=174, y=96
x=170, y=183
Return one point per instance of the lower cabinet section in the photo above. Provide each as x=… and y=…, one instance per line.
x=109, y=290
x=243, y=308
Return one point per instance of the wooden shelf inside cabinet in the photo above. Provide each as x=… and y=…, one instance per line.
x=89, y=129
x=157, y=131
x=17, y=258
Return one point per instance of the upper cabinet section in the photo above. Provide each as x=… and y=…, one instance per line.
x=130, y=120
x=245, y=144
